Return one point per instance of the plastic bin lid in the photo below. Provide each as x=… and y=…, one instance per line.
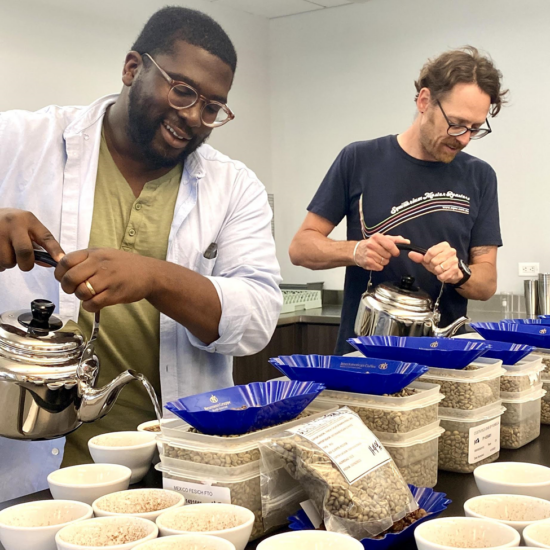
x=414, y=437
x=519, y=394
x=534, y=394
x=475, y=415
x=486, y=369
x=531, y=363
x=177, y=434
x=208, y=474
x=426, y=395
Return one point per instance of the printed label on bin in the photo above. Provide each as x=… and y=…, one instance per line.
x=484, y=441
x=351, y=446
x=197, y=493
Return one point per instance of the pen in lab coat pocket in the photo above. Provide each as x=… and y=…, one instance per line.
x=211, y=252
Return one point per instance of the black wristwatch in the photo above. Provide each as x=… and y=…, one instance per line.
x=467, y=272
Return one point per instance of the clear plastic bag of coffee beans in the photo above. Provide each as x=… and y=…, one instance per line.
x=362, y=507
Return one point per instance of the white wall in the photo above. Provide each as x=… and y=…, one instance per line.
x=70, y=52
x=347, y=74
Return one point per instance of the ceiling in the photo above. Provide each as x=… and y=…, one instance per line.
x=282, y=8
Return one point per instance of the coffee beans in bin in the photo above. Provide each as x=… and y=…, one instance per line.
x=362, y=508
x=242, y=409
x=347, y=373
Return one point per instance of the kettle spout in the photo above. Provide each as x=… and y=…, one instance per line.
x=452, y=329
x=96, y=403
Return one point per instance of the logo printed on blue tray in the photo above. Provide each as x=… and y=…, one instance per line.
x=213, y=399
x=434, y=344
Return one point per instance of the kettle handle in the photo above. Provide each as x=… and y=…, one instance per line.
x=88, y=353
x=411, y=248
x=43, y=257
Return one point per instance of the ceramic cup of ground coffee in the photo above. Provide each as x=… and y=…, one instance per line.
x=142, y=503
x=227, y=521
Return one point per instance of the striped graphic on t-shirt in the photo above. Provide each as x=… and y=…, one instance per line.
x=429, y=203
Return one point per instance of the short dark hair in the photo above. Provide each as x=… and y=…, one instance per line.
x=194, y=27
x=463, y=66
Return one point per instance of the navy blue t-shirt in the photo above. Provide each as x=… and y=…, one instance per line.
x=426, y=202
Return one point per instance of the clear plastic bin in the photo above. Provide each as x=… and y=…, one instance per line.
x=239, y=485
x=545, y=404
x=390, y=414
x=521, y=421
x=177, y=444
x=523, y=376
x=545, y=355
x=415, y=453
x=459, y=444
x=478, y=385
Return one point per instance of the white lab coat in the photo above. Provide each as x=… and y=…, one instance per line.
x=48, y=165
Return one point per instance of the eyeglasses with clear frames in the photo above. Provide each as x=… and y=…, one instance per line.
x=456, y=130
x=183, y=96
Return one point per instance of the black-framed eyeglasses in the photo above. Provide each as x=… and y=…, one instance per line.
x=456, y=130
x=183, y=96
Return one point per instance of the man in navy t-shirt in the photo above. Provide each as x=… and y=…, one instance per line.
x=417, y=187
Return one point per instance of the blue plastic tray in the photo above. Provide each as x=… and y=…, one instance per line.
x=427, y=499
x=516, y=333
x=444, y=353
x=241, y=409
x=509, y=354
x=538, y=321
x=351, y=374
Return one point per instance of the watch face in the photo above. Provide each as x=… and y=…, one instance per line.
x=465, y=267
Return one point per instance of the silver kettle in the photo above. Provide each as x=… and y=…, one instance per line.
x=401, y=309
x=47, y=374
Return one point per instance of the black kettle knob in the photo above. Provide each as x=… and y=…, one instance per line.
x=41, y=311
x=41, y=318
x=407, y=282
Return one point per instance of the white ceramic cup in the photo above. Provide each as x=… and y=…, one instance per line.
x=310, y=540
x=97, y=527
x=101, y=506
x=538, y=534
x=132, y=449
x=513, y=478
x=453, y=533
x=238, y=536
x=25, y=526
x=187, y=542
x=517, y=511
x=88, y=482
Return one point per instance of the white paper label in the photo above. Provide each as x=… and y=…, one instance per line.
x=311, y=512
x=353, y=448
x=484, y=441
x=195, y=493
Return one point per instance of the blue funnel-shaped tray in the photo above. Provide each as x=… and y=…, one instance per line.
x=351, y=374
x=242, y=409
x=444, y=353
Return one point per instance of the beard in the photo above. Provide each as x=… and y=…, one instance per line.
x=143, y=125
x=434, y=144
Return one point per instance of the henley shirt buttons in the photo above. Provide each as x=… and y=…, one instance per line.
x=132, y=232
x=138, y=206
x=55, y=451
x=86, y=136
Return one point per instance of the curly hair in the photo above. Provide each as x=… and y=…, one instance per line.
x=194, y=27
x=463, y=66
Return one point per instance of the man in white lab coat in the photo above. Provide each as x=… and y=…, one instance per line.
x=145, y=218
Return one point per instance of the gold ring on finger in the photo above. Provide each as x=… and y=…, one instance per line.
x=90, y=288
x=441, y=266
